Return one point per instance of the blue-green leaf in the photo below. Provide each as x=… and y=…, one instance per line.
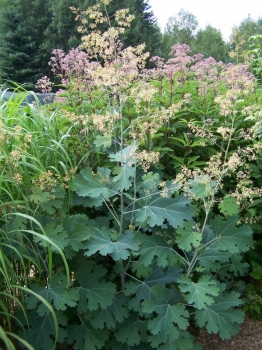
x=188, y=237
x=231, y=238
x=94, y=292
x=56, y=293
x=143, y=290
x=97, y=185
x=102, y=242
x=103, y=141
x=220, y=317
x=115, y=313
x=174, y=210
x=132, y=331
x=156, y=247
x=85, y=337
x=169, y=314
x=201, y=293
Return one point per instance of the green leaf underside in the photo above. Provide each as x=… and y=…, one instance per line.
x=103, y=141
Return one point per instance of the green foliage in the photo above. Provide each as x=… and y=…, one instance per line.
x=128, y=212
x=209, y=42
x=225, y=320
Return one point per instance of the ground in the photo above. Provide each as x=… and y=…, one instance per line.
x=249, y=338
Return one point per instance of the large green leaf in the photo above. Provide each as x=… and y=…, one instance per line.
x=127, y=156
x=175, y=210
x=38, y=196
x=85, y=337
x=42, y=331
x=220, y=317
x=156, y=247
x=109, y=317
x=55, y=200
x=231, y=238
x=103, y=141
x=132, y=331
x=235, y=267
x=168, y=315
x=56, y=293
x=76, y=227
x=201, y=293
x=143, y=290
x=93, y=290
x=212, y=259
x=185, y=341
x=97, y=185
x=102, y=242
x=57, y=235
x=124, y=177
x=229, y=206
x=188, y=237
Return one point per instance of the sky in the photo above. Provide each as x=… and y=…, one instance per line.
x=220, y=14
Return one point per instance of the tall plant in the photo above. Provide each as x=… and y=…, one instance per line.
x=151, y=249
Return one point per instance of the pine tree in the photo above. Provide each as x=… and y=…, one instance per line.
x=31, y=29
x=21, y=32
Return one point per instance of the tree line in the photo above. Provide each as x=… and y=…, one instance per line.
x=31, y=29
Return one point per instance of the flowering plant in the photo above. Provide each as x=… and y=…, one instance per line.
x=150, y=199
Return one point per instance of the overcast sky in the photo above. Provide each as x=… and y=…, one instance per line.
x=221, y=14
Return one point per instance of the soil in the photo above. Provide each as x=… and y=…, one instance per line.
x=249, y=338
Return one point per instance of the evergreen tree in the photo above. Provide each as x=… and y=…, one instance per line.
x=31, y=29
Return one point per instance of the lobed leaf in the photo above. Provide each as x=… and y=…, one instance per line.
x=101, y=242
x=84, y=337
x=220, y=317
x=188, y=237
x=97, y=185
x=109, y=317
x=132, y=331
x=144, y=290
x=231, y=238
x=156, y=246
x=94, y=292
x=174, y=210
x=201, y=293
x=169, y=314
x=56, y=293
